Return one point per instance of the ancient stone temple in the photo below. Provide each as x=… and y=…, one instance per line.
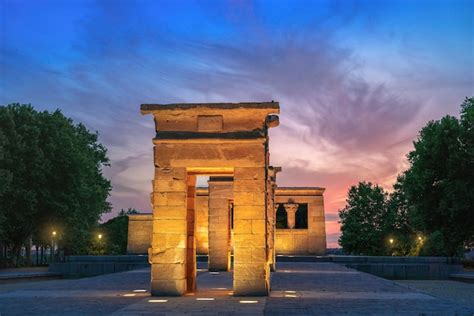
x=307, y=237
x=220, y=140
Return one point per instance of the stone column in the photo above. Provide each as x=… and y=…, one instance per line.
x=316, y=226
x=291, y=209
x=168, y=251
x=191, y=268
x=251, y=271
x=220, y=194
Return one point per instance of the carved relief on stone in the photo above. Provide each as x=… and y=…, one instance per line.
x=291, y=209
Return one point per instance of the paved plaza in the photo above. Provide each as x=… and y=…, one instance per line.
x=297, y=289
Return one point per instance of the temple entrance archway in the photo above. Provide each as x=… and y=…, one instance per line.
x=221, y=140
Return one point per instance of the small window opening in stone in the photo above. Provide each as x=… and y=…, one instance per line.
x=301, y=216
x=281, y=217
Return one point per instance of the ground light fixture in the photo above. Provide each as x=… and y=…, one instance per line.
x=205, y=299
x=54, y=233
x=139, y=291
x=99, y=236
x=157, y=301
x=248, y=302
x=390, y=241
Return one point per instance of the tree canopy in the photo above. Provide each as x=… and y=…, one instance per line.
x=431, y=209
x=439, y=185
x=364, y=220
x=115, y=232
x=53, y=181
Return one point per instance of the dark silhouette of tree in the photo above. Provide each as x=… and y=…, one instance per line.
x=55, y=179
x=439, y=185
x=115, y=233
x=364, y=220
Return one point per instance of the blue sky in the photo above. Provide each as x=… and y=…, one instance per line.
x=356, y=80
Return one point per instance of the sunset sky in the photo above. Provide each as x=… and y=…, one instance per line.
x=356, y=80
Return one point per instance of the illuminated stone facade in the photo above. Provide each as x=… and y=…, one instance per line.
x=220, y=139
x=296, y=241
x=305, y=232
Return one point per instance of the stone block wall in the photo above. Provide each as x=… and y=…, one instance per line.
x=140, y=227
x=311, y=241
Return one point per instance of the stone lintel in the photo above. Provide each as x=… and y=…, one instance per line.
x=282, y=191
x=214, y=171
x=299, y=191
x=257, y=140
x=149, y=108
x=258, y=133
x=213, y=121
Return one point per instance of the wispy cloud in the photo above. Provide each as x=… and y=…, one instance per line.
x=349, y=110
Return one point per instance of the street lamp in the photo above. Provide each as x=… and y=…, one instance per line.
x=391, y=241
x=52, y=245
x=99, y=236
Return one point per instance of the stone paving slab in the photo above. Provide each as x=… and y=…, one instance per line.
x=297, y=289
x=459, y=292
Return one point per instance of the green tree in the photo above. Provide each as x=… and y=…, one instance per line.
x=23, y=159
x=5, y=180
x=406, y=238
x=439, y=185
x=56, y=178
x=115, y=233
x=365, y=220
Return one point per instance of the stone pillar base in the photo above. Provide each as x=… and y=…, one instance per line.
x=168, y=287
x=250, y=288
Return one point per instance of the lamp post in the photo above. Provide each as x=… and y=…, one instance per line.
x=53, y=235
x=100, y=244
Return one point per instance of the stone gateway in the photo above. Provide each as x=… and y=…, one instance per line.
x=228, y=142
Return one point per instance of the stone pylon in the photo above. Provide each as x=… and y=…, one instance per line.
x=215, y=139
